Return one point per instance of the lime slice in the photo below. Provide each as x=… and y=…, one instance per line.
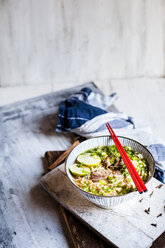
x=79, y=170
x=88, y=160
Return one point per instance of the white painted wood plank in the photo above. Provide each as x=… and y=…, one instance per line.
x=24, y=138
x=29, y=218
x=64, y=41
x=126, y=225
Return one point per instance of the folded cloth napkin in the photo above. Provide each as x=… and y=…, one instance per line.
x=81, y=107
x=85, y=113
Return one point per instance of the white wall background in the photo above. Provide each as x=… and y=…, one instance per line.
x=54, y=41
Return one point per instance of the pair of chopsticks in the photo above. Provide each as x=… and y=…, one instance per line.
x=134, y=174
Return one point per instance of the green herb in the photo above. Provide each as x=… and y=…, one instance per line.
x=119, y=184
x=86, y=189
x=103, y=182
x=112, y=160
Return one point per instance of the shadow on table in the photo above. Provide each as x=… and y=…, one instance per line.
x=46, y=124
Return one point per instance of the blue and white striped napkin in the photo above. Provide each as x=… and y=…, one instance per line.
x=85, y=113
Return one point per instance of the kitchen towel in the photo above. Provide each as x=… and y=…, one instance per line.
x=85, y=113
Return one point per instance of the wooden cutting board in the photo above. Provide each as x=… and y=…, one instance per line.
x=134, y=224
x=80, y=235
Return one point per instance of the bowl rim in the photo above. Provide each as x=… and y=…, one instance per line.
x=100, y=196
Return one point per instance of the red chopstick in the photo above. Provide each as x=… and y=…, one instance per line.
x=134, y=174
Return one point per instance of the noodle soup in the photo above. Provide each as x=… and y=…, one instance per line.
x=102, y=171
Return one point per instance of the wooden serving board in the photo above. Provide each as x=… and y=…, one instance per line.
x=134, y=224
x=80, y=235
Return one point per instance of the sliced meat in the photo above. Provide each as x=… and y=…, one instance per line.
x=121, y=161
x=117, y=161
x=101, y=174
x=117, y=165
x=118, y=173
x=107, y=162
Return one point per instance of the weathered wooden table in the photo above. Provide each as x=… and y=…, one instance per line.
x=28, y=216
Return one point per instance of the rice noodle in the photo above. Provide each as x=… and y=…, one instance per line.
x=118, y=182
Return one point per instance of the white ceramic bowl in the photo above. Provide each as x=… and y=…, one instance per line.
x=108, y=201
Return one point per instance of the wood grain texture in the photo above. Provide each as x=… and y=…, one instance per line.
x=74, y=41
x=25, y=137
x=81, y=235
x=51, y=156
x=160, y=242
x=28, y=216
x=126, y=225
x=63, y=156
